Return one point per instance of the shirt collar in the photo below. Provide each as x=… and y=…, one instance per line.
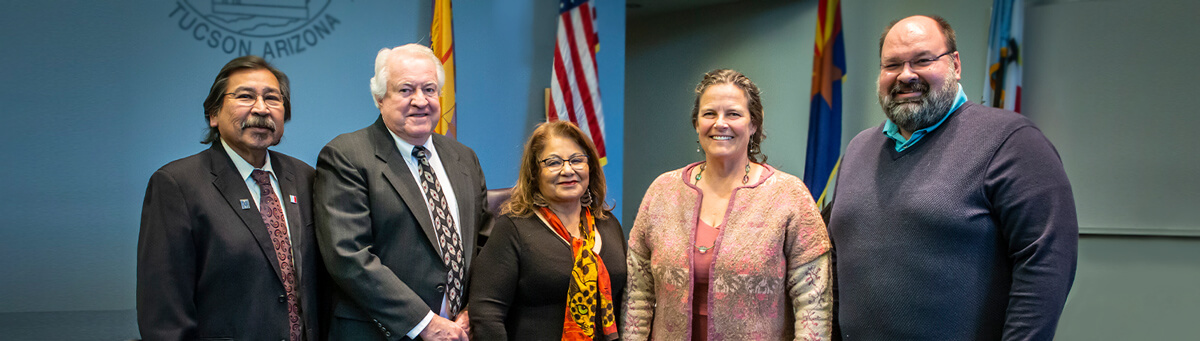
x=891, y=130
x=407, y=148
x=244, y=168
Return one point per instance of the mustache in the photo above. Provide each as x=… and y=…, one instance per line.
x=255, y=121
x=919, y=86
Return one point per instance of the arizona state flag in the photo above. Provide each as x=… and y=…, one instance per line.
x=442, y=34
x=825, y=113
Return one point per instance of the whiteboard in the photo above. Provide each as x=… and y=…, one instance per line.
x=1113, y=84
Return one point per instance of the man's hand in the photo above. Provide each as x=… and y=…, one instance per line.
x=463, y=321
x=440, y=328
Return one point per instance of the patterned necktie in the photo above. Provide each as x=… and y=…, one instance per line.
x=272, y=216
x=448, y=239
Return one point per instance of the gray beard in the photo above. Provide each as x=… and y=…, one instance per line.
x=916, y=114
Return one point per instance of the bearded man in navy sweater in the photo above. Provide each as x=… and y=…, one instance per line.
x=952, y=220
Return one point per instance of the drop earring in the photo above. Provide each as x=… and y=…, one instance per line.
x=586, y=200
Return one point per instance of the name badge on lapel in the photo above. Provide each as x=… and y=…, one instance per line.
x=245, y=204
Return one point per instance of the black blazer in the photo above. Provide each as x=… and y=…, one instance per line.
x=520, y=287
x=206, y=267
x=376, y=234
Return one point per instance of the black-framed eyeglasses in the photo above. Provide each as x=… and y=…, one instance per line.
x=919, y=64
x=248, y=98
x=577, y=162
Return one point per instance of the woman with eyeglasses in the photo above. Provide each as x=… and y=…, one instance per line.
x=728, y=248
x=554, y=266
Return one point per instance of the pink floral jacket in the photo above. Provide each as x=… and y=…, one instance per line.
x=770, y=274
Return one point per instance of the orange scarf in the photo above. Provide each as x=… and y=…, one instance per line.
x=588, y=276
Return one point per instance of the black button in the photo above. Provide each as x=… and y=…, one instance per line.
x=282, y=298
x=441, y=288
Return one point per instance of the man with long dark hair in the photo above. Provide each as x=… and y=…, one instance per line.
x=227, y=248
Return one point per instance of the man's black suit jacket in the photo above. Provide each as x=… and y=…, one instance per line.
x=206, y=267
x=376, y=234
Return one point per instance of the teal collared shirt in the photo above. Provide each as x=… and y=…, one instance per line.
x=893, y=131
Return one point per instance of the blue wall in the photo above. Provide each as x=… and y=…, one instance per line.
x=97, y=95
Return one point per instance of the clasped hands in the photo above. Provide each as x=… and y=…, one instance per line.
x=440, y=328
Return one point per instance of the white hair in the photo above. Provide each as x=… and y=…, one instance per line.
x=379, y=81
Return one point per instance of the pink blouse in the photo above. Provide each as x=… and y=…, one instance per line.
x=706, y=237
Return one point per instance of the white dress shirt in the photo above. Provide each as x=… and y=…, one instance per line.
x=439, y=171
x=244, y=168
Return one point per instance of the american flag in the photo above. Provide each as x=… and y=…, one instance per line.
x=574, y=87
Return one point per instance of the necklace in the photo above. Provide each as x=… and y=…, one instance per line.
x=705, y=249
x=745, y=178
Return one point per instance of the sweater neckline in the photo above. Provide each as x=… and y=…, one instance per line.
x=767, y=172
x=928, y=138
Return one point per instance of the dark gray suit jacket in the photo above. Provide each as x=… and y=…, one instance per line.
x=376, y=234
x=206, y=267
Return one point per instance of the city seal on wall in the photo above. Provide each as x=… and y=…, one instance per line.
x=270, y=28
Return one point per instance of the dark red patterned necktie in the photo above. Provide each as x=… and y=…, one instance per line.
x=448, y=239
x=272, y=216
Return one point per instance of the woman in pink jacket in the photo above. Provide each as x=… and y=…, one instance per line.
x=728, y=248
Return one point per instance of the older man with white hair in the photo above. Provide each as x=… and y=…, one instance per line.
x=397, y=209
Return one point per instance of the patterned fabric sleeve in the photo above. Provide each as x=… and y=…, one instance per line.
x=808, y=269
x=808, y=287
x=639, y=305
x=640, y=299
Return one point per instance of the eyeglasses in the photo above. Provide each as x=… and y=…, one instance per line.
x=247, y=99
x=553, y=163
x=920, y=64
